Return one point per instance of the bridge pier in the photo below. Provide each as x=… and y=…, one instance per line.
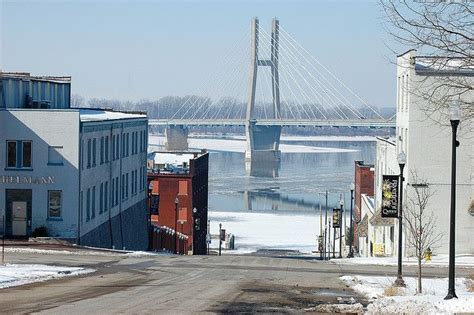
x=176, y=138
x=262, y=157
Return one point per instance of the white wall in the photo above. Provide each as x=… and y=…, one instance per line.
x=101, y=173
x=45, y=128
x=427, y=143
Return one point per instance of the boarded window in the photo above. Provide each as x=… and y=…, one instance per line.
x=183, y=187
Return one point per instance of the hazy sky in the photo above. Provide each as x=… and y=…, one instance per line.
x=132, y=50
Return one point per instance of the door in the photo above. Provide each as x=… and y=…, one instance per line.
x=19, y=219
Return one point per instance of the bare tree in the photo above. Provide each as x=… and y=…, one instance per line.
x=443, y=32
x=77, y=101
x=420, y=222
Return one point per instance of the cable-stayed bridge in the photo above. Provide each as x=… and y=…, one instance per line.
x=286, y=86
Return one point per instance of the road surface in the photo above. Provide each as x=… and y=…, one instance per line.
x=167, y=284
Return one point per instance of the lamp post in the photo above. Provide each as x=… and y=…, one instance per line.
x=455, y=113
x=351, y=224
x=150, y=190
x=176, y=201
x=341, y=206
x=326, y=228
x=402, y=159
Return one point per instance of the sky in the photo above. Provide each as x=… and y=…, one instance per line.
x=135, y=50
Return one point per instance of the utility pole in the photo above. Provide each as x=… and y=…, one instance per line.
x=326, y=227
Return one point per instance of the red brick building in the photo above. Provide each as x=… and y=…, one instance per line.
x=180, y=182
x=364, y=184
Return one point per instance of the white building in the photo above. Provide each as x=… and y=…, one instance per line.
x=425, y=137
x=81, y=173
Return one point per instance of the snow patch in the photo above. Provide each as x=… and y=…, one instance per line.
x=407, y=301
x=16, y=274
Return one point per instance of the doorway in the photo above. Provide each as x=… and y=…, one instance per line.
x=18, y=214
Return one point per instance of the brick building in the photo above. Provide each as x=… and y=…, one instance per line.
x=364, y=184
x=180, y=182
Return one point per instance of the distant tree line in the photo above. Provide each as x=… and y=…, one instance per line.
x=196, y=106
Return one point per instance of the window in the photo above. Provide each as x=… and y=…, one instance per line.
x=106, y=195
x=133, y=143
x=94, y=151
x=88, y=205
x=19, y=154
x=55, y=155
x=81, y=201
x=102, y=150
x=93, y=203
x=112, y=192
x=101, y=198
x=106, y=149
x=123, y=145
x=117, y=147
x=26, y=153
x=128, y=144
x=54, y=203
x=11, y=154
x=126, y=186
x=89, y=152
x=113, y=148
x=183, y=187
x=116, y=190
x=136, y=181
x=122, y=186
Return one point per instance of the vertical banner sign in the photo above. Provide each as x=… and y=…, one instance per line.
x=336, y=218
x=222, y=236
x=390, y=196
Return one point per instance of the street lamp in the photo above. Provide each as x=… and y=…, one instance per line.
x=176, y=201
x=402, y=159
x=341, y=205
x=150, y=190
x=455, y=113
x=351, y=233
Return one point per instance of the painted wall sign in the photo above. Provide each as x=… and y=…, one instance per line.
x=39, y=180
x=390, y=196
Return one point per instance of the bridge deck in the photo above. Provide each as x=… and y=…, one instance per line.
x=371, y=123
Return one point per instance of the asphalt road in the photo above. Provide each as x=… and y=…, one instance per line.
x=188, y=284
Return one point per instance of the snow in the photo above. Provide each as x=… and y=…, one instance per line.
x=438, y=260
x=16, y=274
x=240, y=145
x=255, y=231
x=405, y=300
x=172, y=158
x=98, y=115
x=93, y=251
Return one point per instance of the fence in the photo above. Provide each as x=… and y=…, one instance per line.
x=163, y=239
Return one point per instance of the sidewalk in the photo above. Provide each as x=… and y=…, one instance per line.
x=436, y=261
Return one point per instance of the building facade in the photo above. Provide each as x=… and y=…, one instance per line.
x=424, y=134
x=81, y=173
x=180, y=182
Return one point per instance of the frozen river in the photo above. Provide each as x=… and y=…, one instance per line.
x=279, y=212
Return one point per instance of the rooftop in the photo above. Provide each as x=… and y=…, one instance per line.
x=89, y=115
x=28, y=76
x=172, y=162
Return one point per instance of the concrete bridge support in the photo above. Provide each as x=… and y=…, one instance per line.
x=176, y=138
x=263, y=141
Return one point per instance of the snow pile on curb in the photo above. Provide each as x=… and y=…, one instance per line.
x=438, y=260
x=406, y=300
x=15, y=274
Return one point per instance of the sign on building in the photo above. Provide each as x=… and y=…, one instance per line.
x=390, y=196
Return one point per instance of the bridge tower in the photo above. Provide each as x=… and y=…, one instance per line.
x=263, y=141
